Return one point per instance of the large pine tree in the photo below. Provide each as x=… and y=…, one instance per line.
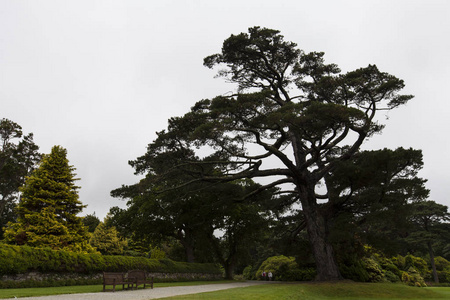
x=47, y=212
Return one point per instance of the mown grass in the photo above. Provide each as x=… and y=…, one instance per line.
x=325, y=291
x=291, y=291
x=47, y=291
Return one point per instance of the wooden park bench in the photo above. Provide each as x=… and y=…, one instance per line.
x=115, y=279
x=138, y=277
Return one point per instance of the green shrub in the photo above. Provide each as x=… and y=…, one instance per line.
x=391, y=277
x=157, y=253
x=399, y=262
x=388, y=266
x=278, y=265
x=413, y=278
x=373, y=270
x=417, y=263
x=354, y=270
x=284, y=269
x=300, y=275
x=248, y=273
x=443, y=269
x=238, y=277
x=441, y=263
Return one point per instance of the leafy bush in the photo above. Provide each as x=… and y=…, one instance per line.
x=441, y=263
x=238, y=277
x=418, y=264
x=399, y=262
x=373, y=270
x=389, y=266
x=285, y=269
x=157, y=253
x=354, y=270
x=248, y=273
x=413, y=278
x=391, y=277
x=300, y=275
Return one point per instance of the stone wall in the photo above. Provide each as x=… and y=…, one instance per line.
x=37, y=276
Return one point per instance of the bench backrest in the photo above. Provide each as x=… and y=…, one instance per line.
x=113, y=277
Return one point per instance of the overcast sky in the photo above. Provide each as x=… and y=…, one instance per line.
x=101, y=77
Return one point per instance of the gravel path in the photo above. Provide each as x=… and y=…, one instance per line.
x=149, y=293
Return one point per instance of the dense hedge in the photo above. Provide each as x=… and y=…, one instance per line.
x=21, y=259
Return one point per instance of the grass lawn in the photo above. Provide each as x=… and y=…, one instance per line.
x=46, y=291
x=326, y=291
x=291, y=291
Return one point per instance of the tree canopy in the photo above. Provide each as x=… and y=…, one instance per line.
x=293, y=119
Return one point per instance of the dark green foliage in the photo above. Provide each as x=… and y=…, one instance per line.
x=193, y=216
x=249, y=273
x=18, y=157
x=354, y=270
x=307, y=274
x=370, y=197
x=418, y=264
x=91, y=222
x=20, y=259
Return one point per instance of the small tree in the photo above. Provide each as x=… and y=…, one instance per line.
x=47, y=212
x=106, y=240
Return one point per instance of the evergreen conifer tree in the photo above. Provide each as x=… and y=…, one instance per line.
x=107, y=241
x=47, y=212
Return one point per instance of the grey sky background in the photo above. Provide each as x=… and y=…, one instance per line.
x=101, y=77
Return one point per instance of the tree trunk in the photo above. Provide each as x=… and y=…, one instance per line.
x=186, y=240
x=190, y=258
x=2, y=207
x=433, y=264
x=229, y=270
x=327, y=268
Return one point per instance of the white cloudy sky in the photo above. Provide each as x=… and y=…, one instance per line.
x=101, y=77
